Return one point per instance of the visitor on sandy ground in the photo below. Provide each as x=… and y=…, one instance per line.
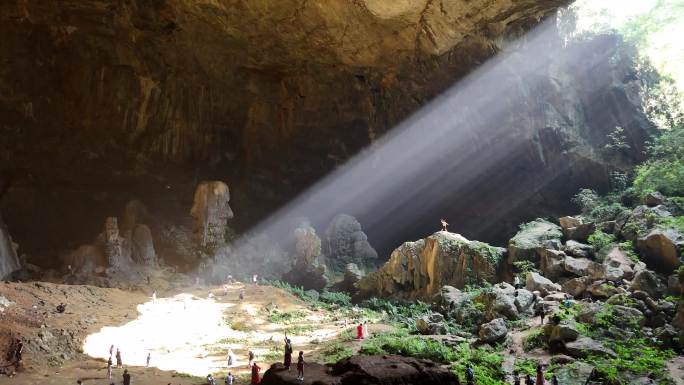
x=61, y=308
x=359, y=332
x=300, y=366
x=109, y=368
x=255, y=279
x=154, y=297
x=365, y=330
x=250, y=356
x=147, y=362
x=287, y=360
x=111, y=351
x=126, y=377
x=255, y=373
x=119, y=362
x=230, y=379
x=231, y=358
x=210, y=380
x=242, y=294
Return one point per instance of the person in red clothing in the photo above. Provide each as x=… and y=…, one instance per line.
x=359, y=332
x=255, y=373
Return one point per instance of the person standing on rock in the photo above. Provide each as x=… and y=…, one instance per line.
x=250, y=356
x=255, y=373
x=126, y=377
x=109, y=368
x=516, y=282
x=300, y=366
x=444, y=224
x=230, y=379
x=287, y=361
x=540, y=375
x=119, y=362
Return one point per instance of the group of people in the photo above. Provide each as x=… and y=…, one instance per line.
x=362, y=330
x=287, y=361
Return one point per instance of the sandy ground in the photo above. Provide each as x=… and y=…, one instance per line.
x=186, y=332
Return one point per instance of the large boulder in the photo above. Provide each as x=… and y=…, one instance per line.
x=638, y=222
x=307, y=272
x=499, y=302
x=86, y=259
x=616, y=258
x=551, y=263
x=493, y=331
x=648, y=281
x=9, y=262
x=565, y=331
x=210, y=213
x=345, y=242
x=421, y=268
x=576, y=286
x=365, y=370
x=578, y=249
x=585, y=346
x=583, y=267
x=537, y=282
x=532, y=239
x=662, y=249
x=576, y=373
x=654, y=199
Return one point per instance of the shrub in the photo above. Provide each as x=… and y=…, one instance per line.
x=335, y=352
x=586, y=199
x=664, y=171
x=286, y=317
x=336, y=298
x=535, y=339
x=599, y=239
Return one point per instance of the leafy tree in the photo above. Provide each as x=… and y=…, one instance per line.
x=664, y=171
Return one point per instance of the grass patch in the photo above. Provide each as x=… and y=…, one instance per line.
x=534, y=340
x=334, y=352
x=299, y=329
x=286, y=317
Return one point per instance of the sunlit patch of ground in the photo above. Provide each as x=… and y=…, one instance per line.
x=191, y=333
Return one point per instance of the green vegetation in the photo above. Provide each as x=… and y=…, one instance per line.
x=633, y=357
x=299, y=329
x=525, y=366
x=490, y=253
x=664, y=170
x=336, y=351
x=600, y=240
x=286, y=317
x=534, y=340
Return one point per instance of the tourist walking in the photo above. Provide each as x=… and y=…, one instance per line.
x=210, y=379
x=365, y=329
x=470, y=376
x=359, y=332
x=250, y=356
x=109, y=368
x=540, y=375
x=147, y=362
x=300, y=366
x=126, y=377
x=255, y=373
x=119, y=362
x=231, y=358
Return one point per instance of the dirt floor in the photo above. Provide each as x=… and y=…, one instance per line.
x=187, y=332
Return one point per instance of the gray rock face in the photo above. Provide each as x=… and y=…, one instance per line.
x=86, y=259
x=580, y=233
x=577, y=249
x=583, y=267
x=576, y=373
x=210, y=213
x=9, y=262
x=563, y=332
x=576, y=286
x=493, y=331
x=532, y=239
x=663, y=249
x=345, y=242
x=536, y=282
x=117, y=249
x=585, y=346
x=616, y=258
x=638, y=222
x=499, y=302
x=421, y=268
x=552, y=263
x=648, y=281
x=653, y=199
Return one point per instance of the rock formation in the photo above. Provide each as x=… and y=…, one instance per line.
x=142, y=246
x=307, y=271
x=345, y=242
x=663, y=249
x=274, y=109
x=9, y=262
x=421, y=268
x=532, y=239
x=365, y=370
x=210, y=213
x=117, y=249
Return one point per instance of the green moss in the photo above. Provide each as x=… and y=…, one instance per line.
x=599, y=239
x=634, y=357
x=535, y=339
x=492, y=254
x=286, y=317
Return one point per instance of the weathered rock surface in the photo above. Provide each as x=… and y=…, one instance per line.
x=648, y=281
x=576, y=373
x=493, y=331
x=532, y=239
x=565, y=331
x=537, y=282
x=663, y=249
x=142, y=246
x=116, y=248
x=421, y=268
x=210, y=213
x=9, y=262
x=345, y=242
x=653, y=199
x=365, y=370
x=585, y=346
x=307, y=271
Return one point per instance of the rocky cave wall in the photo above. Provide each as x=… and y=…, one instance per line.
x=102, y=102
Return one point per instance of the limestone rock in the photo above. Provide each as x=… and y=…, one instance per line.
x=569, y=222
x=663, y=249
x=577, y=249
x=523, y=300
x=583, y=267
x=576, y=286
x=536, y=282
x=552, y=263
x=85, y=259
x=421, y=268
x=307, y=245
x=648, y=281
x=576, y=373
x=499, y=302
x=9, y=262
x=602, y=290
x=531, y=239
x=345, y=242
x=565, y=331
x=493, y=331
x=210, y=213
x=638, y=222
x=117, y=249
x=365, y=370
x=352, y=276
x=616, y=258
x=142, y=246
x=580, y=233
x=585, y=346
x=653, y=199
